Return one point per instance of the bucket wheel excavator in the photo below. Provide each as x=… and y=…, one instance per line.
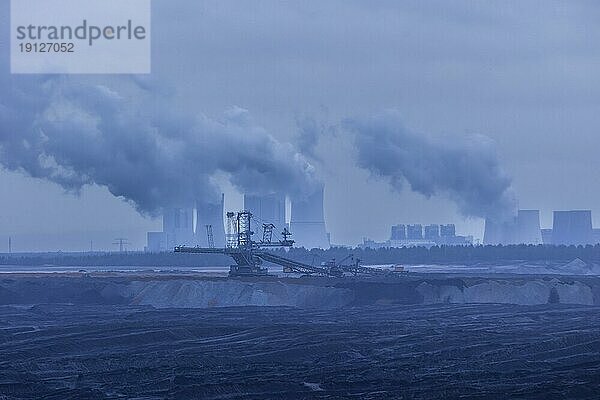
x=249, y=255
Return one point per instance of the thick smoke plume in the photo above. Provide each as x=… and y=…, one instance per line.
x=466, y=170
x=74, y=132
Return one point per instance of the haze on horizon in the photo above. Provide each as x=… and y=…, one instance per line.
x=520, y=73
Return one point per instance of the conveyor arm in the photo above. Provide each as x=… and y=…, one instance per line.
x=293, y=266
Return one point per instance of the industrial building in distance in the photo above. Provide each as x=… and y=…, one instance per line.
x=524, y=228
x=189, y=226
x=203, y=224
x=572, y=227
x=307, y=222
x=419, y=235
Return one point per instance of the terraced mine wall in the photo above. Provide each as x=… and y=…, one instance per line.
x=202, y=292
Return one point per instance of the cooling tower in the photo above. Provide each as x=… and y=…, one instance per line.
x=491, y=234
x=178, y=226
x=528, y=227
x=210, y=214
x=522, y=229
x=269, y=209
x=500, y=232
x=308, y=223
x=572, y=227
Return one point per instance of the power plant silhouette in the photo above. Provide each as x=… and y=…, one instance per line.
x=308, y=221
x=522, y=229
x=203, y=225
x=573, y=227
x=269, y=209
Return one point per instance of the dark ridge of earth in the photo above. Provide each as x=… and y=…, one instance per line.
x=371, y=352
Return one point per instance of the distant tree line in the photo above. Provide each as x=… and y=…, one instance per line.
x=128, y=259
x=466, y=255
x=407, y=255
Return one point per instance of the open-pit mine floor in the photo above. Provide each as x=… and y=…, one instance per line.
x=80, y=336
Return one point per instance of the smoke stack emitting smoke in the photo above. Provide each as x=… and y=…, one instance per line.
x=75, y=133
x=467, y=169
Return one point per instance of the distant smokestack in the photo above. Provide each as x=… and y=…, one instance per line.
x=572, y=227
x=308, y=222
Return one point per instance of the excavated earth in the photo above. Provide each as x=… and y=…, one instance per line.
x=142, y=336
x=196, y=290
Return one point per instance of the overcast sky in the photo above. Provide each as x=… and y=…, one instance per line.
x=523, y=73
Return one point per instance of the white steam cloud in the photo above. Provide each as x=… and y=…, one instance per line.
x=75, y=133
x=465, y=169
